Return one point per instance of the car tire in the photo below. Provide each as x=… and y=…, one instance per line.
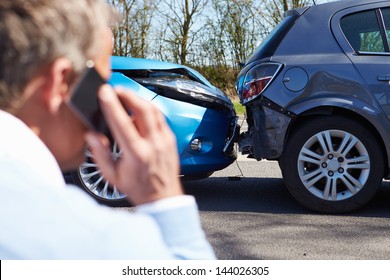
x=332, y=164
x=89, y=178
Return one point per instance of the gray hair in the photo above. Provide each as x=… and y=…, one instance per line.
x=33, y=33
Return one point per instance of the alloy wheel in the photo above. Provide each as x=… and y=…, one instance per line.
x=93, y=180
x=333, y=165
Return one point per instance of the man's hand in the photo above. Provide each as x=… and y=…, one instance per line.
x=148, y=168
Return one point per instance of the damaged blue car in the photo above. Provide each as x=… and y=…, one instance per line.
x=201, y=116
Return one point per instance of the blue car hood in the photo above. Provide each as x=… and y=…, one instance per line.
x=130, y=63
x=149, y=78
x=118, y=79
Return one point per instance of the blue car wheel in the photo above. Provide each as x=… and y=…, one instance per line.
x=89, y=177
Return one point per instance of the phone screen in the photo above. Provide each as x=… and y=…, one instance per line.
x=84, y=100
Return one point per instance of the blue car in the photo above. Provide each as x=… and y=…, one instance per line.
x=201, y=116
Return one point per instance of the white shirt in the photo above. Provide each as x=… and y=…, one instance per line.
x=43, y=218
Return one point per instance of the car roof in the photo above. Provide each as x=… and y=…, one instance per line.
x=313, y=28
x=329, y=8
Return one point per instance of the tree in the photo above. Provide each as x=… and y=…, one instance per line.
x=229, y=37
x=132, y=31
x=273, y=10
x=180, y=31
x=240, y=27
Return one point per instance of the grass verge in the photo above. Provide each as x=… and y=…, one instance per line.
x=240, y=109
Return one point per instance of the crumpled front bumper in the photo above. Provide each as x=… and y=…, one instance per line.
x=232, y=137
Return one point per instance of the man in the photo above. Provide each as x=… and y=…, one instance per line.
x=44, y=46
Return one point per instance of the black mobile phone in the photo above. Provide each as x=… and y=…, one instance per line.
x=84, y=100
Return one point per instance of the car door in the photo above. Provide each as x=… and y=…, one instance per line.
x=366, y=29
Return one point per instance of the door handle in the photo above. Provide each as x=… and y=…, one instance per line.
x=384, y=78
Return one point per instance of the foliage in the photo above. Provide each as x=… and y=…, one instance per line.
x=222, y=76
x=240, y=109
x=134, y=25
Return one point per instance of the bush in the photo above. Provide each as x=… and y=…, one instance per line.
x=223, y=77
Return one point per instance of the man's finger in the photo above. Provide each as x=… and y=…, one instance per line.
x=117, y=118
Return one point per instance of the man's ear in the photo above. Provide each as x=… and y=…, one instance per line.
x=57, y=86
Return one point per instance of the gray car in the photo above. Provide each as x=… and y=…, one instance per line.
x=317, y=95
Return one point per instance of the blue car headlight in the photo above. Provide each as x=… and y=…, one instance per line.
x=187, y=90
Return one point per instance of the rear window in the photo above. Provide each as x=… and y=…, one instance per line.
x=366, y=31
x=386, y=18
x=269, y=45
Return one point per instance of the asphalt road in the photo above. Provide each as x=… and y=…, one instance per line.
x=247, y=213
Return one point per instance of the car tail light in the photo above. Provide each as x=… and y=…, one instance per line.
x=257, y=79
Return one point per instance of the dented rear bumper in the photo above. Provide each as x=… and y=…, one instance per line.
x=267, y=128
